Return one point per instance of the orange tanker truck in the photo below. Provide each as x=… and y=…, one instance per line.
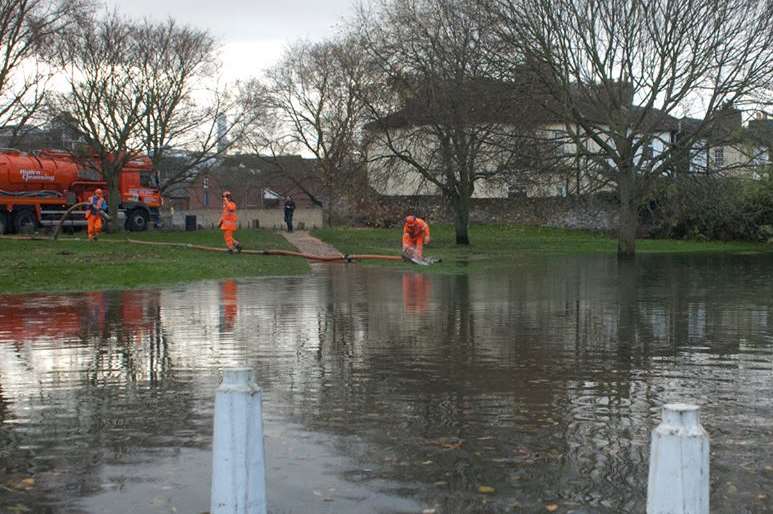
x=37, y=188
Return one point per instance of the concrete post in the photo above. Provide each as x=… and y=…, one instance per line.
x=679, y=463
x=238, y=463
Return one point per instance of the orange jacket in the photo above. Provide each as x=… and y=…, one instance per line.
x=420, y=229
x=229, y=219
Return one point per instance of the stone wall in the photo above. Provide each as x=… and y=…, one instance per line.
x=590, y=213
x=248, y=218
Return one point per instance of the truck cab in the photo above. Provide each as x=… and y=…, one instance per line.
x=140, y=194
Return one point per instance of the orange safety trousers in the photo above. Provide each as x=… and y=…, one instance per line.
x=94, y=226
x=414, y=243
x=230, y=242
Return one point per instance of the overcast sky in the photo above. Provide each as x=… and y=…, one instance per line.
x=252, y=33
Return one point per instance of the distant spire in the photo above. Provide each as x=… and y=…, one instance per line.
x=222, y=132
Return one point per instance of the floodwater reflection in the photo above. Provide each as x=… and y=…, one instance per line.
x=416, y=291
x=395, y=392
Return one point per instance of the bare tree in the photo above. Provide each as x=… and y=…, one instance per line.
x=618, y=74
x=28, y=29
x=441, y=118
x=106, y=95
x=190, y=119
x=314, y=91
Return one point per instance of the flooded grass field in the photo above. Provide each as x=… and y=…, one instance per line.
x=389, y=391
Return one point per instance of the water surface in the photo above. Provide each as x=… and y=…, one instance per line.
x=393, y=392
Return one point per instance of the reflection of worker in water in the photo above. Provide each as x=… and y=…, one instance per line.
x=416, y=290
x=96, y=306
x=228, y=293
x=228, y=223
x=94, y=212
x=415, y=236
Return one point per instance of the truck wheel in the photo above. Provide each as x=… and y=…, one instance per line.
x=137, y=220
x=24, y=221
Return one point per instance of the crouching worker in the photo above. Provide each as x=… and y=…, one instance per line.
x=228, y=223
x=94, y=212
x=415, y=236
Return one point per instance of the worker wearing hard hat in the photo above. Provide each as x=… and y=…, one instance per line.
x=228, y=223
x=415, y=236
x=94, y=213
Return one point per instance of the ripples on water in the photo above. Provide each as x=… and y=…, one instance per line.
x=387, y=391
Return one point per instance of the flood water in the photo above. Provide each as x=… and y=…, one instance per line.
x=390, y=391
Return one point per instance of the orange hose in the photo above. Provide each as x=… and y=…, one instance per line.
x=288, y=253
x=376, y=257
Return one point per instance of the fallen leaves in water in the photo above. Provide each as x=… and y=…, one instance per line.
x=24, y=484
x=449, y=443
x=551, y=507
x=486, y=489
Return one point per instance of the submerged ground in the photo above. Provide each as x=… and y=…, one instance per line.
x=389, y=391
x=70, y=265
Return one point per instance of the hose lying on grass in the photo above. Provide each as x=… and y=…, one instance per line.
x=58, y=229
x=320, y=258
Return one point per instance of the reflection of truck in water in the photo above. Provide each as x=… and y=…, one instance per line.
x=37, y=188
x=65, y=318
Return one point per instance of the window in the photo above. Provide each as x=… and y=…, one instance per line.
x=699, y=157
x=558, y=140
x=719, y=158
x=148, y=180
x=760, y=156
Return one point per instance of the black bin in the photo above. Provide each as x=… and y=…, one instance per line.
x=190, y=222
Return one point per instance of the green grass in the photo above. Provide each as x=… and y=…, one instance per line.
x=69, y=265
x=499, y=245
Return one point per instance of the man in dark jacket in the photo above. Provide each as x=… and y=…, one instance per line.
x=289, y=210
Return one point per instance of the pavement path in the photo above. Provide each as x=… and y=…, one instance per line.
x=306, y=243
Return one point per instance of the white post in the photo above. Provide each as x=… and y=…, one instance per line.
x=679, y=463
x=238, y=464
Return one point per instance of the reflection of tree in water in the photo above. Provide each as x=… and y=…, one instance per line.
x=103, y=409
x=541, y=384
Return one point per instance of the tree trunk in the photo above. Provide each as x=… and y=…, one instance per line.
x=462, y=221
x=330, y=189
x=629, y=217
x=114, y=196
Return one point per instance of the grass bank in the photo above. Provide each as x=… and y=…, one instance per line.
x=110, y=263
x=500, y=244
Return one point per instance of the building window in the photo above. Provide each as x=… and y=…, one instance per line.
x=760, y=156
x=719, y=158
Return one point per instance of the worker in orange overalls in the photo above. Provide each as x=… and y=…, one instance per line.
x=228, y=223
x=94, y=212
x=415, y=236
